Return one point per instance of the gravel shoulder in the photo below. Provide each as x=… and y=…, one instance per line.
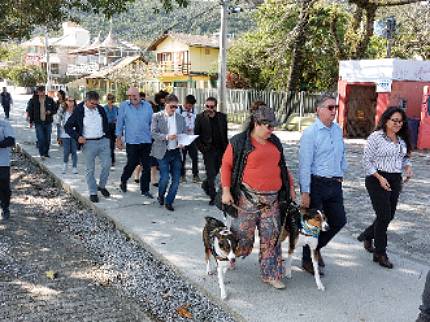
x=60, y=262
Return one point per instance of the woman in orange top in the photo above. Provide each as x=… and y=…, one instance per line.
x=254, y=177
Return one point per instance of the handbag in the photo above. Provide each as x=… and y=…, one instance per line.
x=226, y=209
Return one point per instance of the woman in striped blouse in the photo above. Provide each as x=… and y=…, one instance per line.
x=386, y=157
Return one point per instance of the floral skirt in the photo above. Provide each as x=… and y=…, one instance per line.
x=267, y=221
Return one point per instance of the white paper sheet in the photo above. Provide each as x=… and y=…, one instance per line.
x=185, y=139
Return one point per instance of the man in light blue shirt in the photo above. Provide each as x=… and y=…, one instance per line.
x=134, y=123
x=7, y=140
x=322, y=165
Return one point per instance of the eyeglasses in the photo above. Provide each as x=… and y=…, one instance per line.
x=397, y=121
x=173, y=107
x=210, y=106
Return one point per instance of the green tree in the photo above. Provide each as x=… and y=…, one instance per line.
x=20, y=18
x=26, y=76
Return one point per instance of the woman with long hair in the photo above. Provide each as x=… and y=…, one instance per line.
x=61, y=106
x=255, y=179
x=70, y=146
x=386, y=157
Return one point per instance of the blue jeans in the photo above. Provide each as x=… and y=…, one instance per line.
x=70, y=146
x=43, y=135
x=91, y=149
x=169, y=165
x=328, y=197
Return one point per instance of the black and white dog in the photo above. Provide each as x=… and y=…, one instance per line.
x=220, y=244
x=303, y=227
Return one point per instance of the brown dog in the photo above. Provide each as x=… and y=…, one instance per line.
x=220, y=244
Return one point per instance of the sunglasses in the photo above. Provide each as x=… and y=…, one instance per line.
x=331, y=107
x=397, y=121
x=173, y=107
x=210, y=106
x=267, y=124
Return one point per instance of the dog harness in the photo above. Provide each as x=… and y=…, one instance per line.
x=221, y=231
x=308, y=230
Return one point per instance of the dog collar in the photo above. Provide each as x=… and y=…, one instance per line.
x=309, y=230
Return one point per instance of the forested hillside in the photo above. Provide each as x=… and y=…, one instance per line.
x=141, y=24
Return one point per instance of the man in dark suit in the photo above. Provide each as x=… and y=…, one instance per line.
x=211, y=127
x=89, y=125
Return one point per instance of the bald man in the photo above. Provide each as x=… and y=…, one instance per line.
x=133, y=126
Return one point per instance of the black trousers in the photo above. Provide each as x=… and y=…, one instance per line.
x=138, y=154
x=6, y=109
x=212, y=160
x=192, y=151
x=384, y=203
x=111, y=136
x=327, y=195
x=5, y=191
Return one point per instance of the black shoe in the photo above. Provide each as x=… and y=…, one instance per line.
x=169, y=207
x=46, y=156
x=147, y=194
x=123, y=186
x=196, y=178
x=155, y=184
x=212, y=202
x=367, y=244
x=6, y=214
x=104, y=191
x=94, y=198
x=382, y=260
x=137, y=180
x=160, y=201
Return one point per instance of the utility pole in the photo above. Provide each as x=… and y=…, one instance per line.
x=48, y=65
x=222, y=59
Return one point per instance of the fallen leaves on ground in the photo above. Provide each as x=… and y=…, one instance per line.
x=183, y=311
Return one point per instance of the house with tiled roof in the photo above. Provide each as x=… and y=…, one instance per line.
x=184, y=60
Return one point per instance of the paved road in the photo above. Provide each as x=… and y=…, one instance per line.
x=353, y=283
x=32, y=247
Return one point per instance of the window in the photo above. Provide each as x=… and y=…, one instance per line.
x=55, y=69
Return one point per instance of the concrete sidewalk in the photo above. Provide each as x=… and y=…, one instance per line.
x=356, y=288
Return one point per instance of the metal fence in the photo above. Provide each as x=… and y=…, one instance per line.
x=238, y=101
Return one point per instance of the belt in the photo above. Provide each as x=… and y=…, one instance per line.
x=327, y=179
x=95, y=139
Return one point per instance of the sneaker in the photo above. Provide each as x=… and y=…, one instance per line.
x=196, y=178
x=94, y=198
x=104, y=191
x=275, y=283
x=64, y=168
x=147, y=194
x=75, y=170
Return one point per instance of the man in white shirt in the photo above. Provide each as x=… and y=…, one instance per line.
x=165, y=128
x=88, y=125
x=187, y=111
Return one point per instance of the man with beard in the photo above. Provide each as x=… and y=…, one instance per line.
x=211, y=127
